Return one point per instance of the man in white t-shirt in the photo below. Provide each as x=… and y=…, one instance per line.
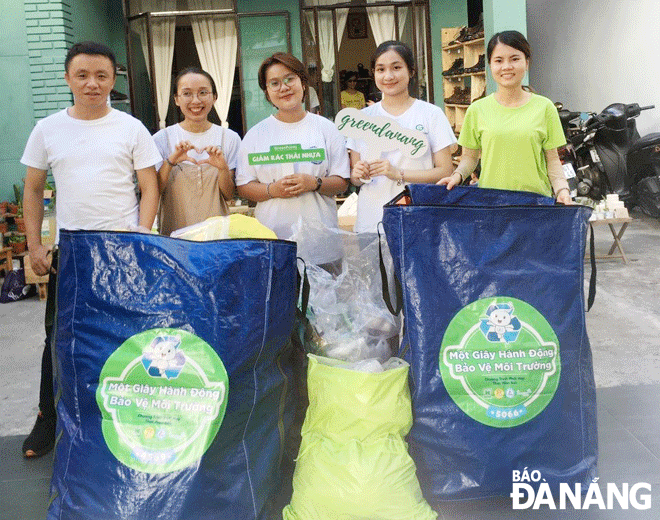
x=94, y=153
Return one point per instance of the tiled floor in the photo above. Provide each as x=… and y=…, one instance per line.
x=629, y=452
x=624, y=330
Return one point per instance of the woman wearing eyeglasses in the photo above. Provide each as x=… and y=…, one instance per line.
x=351, y=96
x=293, y=162
x=196, y=177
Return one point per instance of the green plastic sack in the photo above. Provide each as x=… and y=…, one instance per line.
x=353, y=462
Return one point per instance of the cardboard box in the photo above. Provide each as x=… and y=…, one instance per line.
x=48, y=229
x=347, y=222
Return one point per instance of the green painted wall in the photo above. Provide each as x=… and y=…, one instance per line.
x=503, y=15
x=16, y=101
x=101, y=21
x=32, y=50
x=444, y=13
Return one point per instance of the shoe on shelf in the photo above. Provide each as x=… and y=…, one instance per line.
x=460, y=37
x=464, y=98
x=461, y=96
x=452, y=99
x=117, y=96
x=479, y=66
x=41, y=439
x=455, y=68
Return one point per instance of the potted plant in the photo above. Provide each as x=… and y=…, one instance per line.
x=19, y=220
x=13, y=207
x=17, y=243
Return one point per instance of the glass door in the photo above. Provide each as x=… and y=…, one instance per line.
x=339, y=41
x=259, y=37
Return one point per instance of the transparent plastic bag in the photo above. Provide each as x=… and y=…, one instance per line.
x=346, y=310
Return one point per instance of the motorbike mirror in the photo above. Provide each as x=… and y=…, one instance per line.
x=559, y=105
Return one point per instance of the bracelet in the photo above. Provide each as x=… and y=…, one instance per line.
x=562, y=189
x=268, y=190
x=167, y=160
x=459, y=174
x=402, y=179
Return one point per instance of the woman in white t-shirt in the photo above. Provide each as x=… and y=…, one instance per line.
x=293, y=162
x=382, y=178
x=196, y=177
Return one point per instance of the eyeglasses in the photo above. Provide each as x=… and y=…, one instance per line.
x=276, y=83
x=201, y=95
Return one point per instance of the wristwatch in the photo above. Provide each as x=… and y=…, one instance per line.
x=319, y=183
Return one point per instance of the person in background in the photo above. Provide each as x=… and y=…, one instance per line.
x=94, y=152
x=350, y=96
x=515, y=132
x=196, y=176
x=312, y=79
x=287, y=192
x=382, y=179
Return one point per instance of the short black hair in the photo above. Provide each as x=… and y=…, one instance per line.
x=93, y=49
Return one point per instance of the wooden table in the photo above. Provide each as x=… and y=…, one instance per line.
x=617, y=235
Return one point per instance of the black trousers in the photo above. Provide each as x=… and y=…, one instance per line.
x=46, y=392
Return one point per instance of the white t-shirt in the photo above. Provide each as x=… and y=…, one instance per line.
x=93, y=164
x=422, y=116
x=279, y=214
x=167, y=139
x=313, y=99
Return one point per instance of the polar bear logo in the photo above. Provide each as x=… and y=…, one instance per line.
x=162, y=358
x=501, y=325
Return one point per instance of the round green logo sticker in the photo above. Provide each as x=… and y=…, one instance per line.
x=162, y=395
x=500, y=362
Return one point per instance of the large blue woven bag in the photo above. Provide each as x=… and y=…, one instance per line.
x=171, y=376
x=501, y=370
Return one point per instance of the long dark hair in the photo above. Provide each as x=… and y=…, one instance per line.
x=193, y=70
x=512, y=39
x=400, y=48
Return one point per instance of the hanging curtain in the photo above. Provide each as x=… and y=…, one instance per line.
x=162, y=33
x=326, y=43
x=381, y=20
x=216, y=42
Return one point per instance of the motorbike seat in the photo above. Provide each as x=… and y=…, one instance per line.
x=646, y=141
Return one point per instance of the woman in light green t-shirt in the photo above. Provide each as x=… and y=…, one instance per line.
x=516, y=133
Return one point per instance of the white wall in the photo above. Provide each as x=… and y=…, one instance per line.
x=591, y=53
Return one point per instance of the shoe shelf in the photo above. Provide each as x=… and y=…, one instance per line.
x=460, y=86
x=117, y=97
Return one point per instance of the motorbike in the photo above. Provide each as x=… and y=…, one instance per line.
x=605, y=154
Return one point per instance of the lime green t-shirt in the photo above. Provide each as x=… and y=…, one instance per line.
x=512, y=142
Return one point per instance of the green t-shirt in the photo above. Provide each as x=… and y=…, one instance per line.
x=512, y=142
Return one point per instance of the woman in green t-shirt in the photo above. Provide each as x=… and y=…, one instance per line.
x=515, y=132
